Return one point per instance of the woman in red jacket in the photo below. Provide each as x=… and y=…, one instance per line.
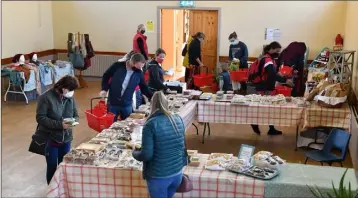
x=140, y=42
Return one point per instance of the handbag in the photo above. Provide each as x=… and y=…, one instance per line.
x=38, y=143
x=77, y=58
x=186, y=185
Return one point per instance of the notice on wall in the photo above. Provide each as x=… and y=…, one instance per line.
x=272, y=34
x=149, y=26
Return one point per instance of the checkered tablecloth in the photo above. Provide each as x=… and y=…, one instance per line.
x=316, y=116
x=188, y=113
x=223, y=112
x=89, y=181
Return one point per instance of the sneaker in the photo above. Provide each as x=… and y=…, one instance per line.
x=274, y=132
x=256, y=130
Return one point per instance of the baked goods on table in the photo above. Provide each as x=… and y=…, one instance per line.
x=205, y=96
x=261, y=172
x=237, y=165
x=217, y=161
x=220, y=156
x=194, y=161
x=267, y=160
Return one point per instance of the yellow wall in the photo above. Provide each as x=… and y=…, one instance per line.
x=351, y=37
x=26, y=27
x=111, y=25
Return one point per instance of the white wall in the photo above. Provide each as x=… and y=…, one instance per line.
x=26, y=27
x=111, y=25
x=351, y=37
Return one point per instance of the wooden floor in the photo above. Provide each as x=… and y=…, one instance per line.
x=23, y=173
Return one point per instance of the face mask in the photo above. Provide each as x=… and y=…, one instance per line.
x=160, y=60
x=69, y=94
x=275, y=55
x=142, y=31
x=234, y=42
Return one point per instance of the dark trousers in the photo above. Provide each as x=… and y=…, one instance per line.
x=55, y=157
x=123, y=112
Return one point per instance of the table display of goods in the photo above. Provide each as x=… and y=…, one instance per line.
x=298, y=101
x=176, y=102
x=237, y=165
x=137, y=116
x=240, y=100
x=192, y=94
x=260, y=173
x=114, y=157
x=265, y=159
x=194, y=159
x=217, y=161
x=328, y=95
x=144, y=108
x=205, y=96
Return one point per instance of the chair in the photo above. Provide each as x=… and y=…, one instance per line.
x=337, y=139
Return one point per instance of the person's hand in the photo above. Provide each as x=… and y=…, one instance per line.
x=103, y=93
x=289, y=82
x=201, y=65
x=65, y=125
x=167, y=90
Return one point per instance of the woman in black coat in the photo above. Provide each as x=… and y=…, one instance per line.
x=156, y=72
x=195, y=59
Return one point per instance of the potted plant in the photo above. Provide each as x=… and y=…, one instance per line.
x=341, y=192
x=215, y=85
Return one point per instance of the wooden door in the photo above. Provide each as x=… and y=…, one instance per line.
x=167, y=39
x=179, y=36
x=206, y=21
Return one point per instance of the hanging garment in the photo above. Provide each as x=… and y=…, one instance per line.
x=83, y=45
x=70, y=44
x=77, y=59
x=89, y=47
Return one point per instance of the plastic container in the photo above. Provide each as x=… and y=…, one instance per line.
x=286, y=91
x=98, y=117
x=203, y=79
x=286, y=71
x=240, y=75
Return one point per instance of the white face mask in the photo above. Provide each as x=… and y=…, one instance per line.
x=22, y=59
x=34, y=57
x=69, y=94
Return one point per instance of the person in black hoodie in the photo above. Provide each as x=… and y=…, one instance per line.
x=156, y=72
x=238, y=50
x=269, y=76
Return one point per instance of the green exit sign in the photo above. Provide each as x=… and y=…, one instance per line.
x=187, y=3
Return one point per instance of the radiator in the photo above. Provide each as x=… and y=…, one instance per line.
x=99, y=64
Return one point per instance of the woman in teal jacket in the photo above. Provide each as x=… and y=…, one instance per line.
x=163, y=149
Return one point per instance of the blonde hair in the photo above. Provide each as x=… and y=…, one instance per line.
x=160, y=103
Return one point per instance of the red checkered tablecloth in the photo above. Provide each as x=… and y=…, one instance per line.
x=316, y=116
x=89, y=181
x=223, y=112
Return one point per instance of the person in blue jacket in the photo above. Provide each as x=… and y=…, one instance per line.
x=226, y=78
x=238, y=50
x=125, y=77
x=163, y=151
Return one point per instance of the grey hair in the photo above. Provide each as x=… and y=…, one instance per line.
x=137, y=57
x=140, y=26
x=159, y=103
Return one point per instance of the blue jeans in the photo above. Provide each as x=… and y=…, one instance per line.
x=164, y=187
x=124, y=112
x=54, y=157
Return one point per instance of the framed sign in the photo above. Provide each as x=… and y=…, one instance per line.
x=186, y=4
x=246, y=152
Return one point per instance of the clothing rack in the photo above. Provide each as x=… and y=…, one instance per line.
x=82, y=82
x=14, y=91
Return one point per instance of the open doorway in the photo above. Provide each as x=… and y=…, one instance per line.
x=177, y=25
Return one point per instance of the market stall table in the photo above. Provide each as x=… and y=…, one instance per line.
x=72, y=180
x=294, y=178
x=223, y=112
x=317, y=116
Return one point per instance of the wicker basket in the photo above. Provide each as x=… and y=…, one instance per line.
x=323, y=104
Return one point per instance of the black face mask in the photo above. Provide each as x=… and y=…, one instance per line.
x=275, y=55
x=142, y=31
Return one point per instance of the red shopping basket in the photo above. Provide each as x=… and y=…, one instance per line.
x=239, y=76
x=286, y=71
x=99, y=118
x=286, y=91
x=202, y=80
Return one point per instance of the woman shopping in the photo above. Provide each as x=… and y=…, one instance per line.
x=163, y=149
x=195, y=59
x=52, y=108
x=156, y=72
x=267, y=78
x=238, y=52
